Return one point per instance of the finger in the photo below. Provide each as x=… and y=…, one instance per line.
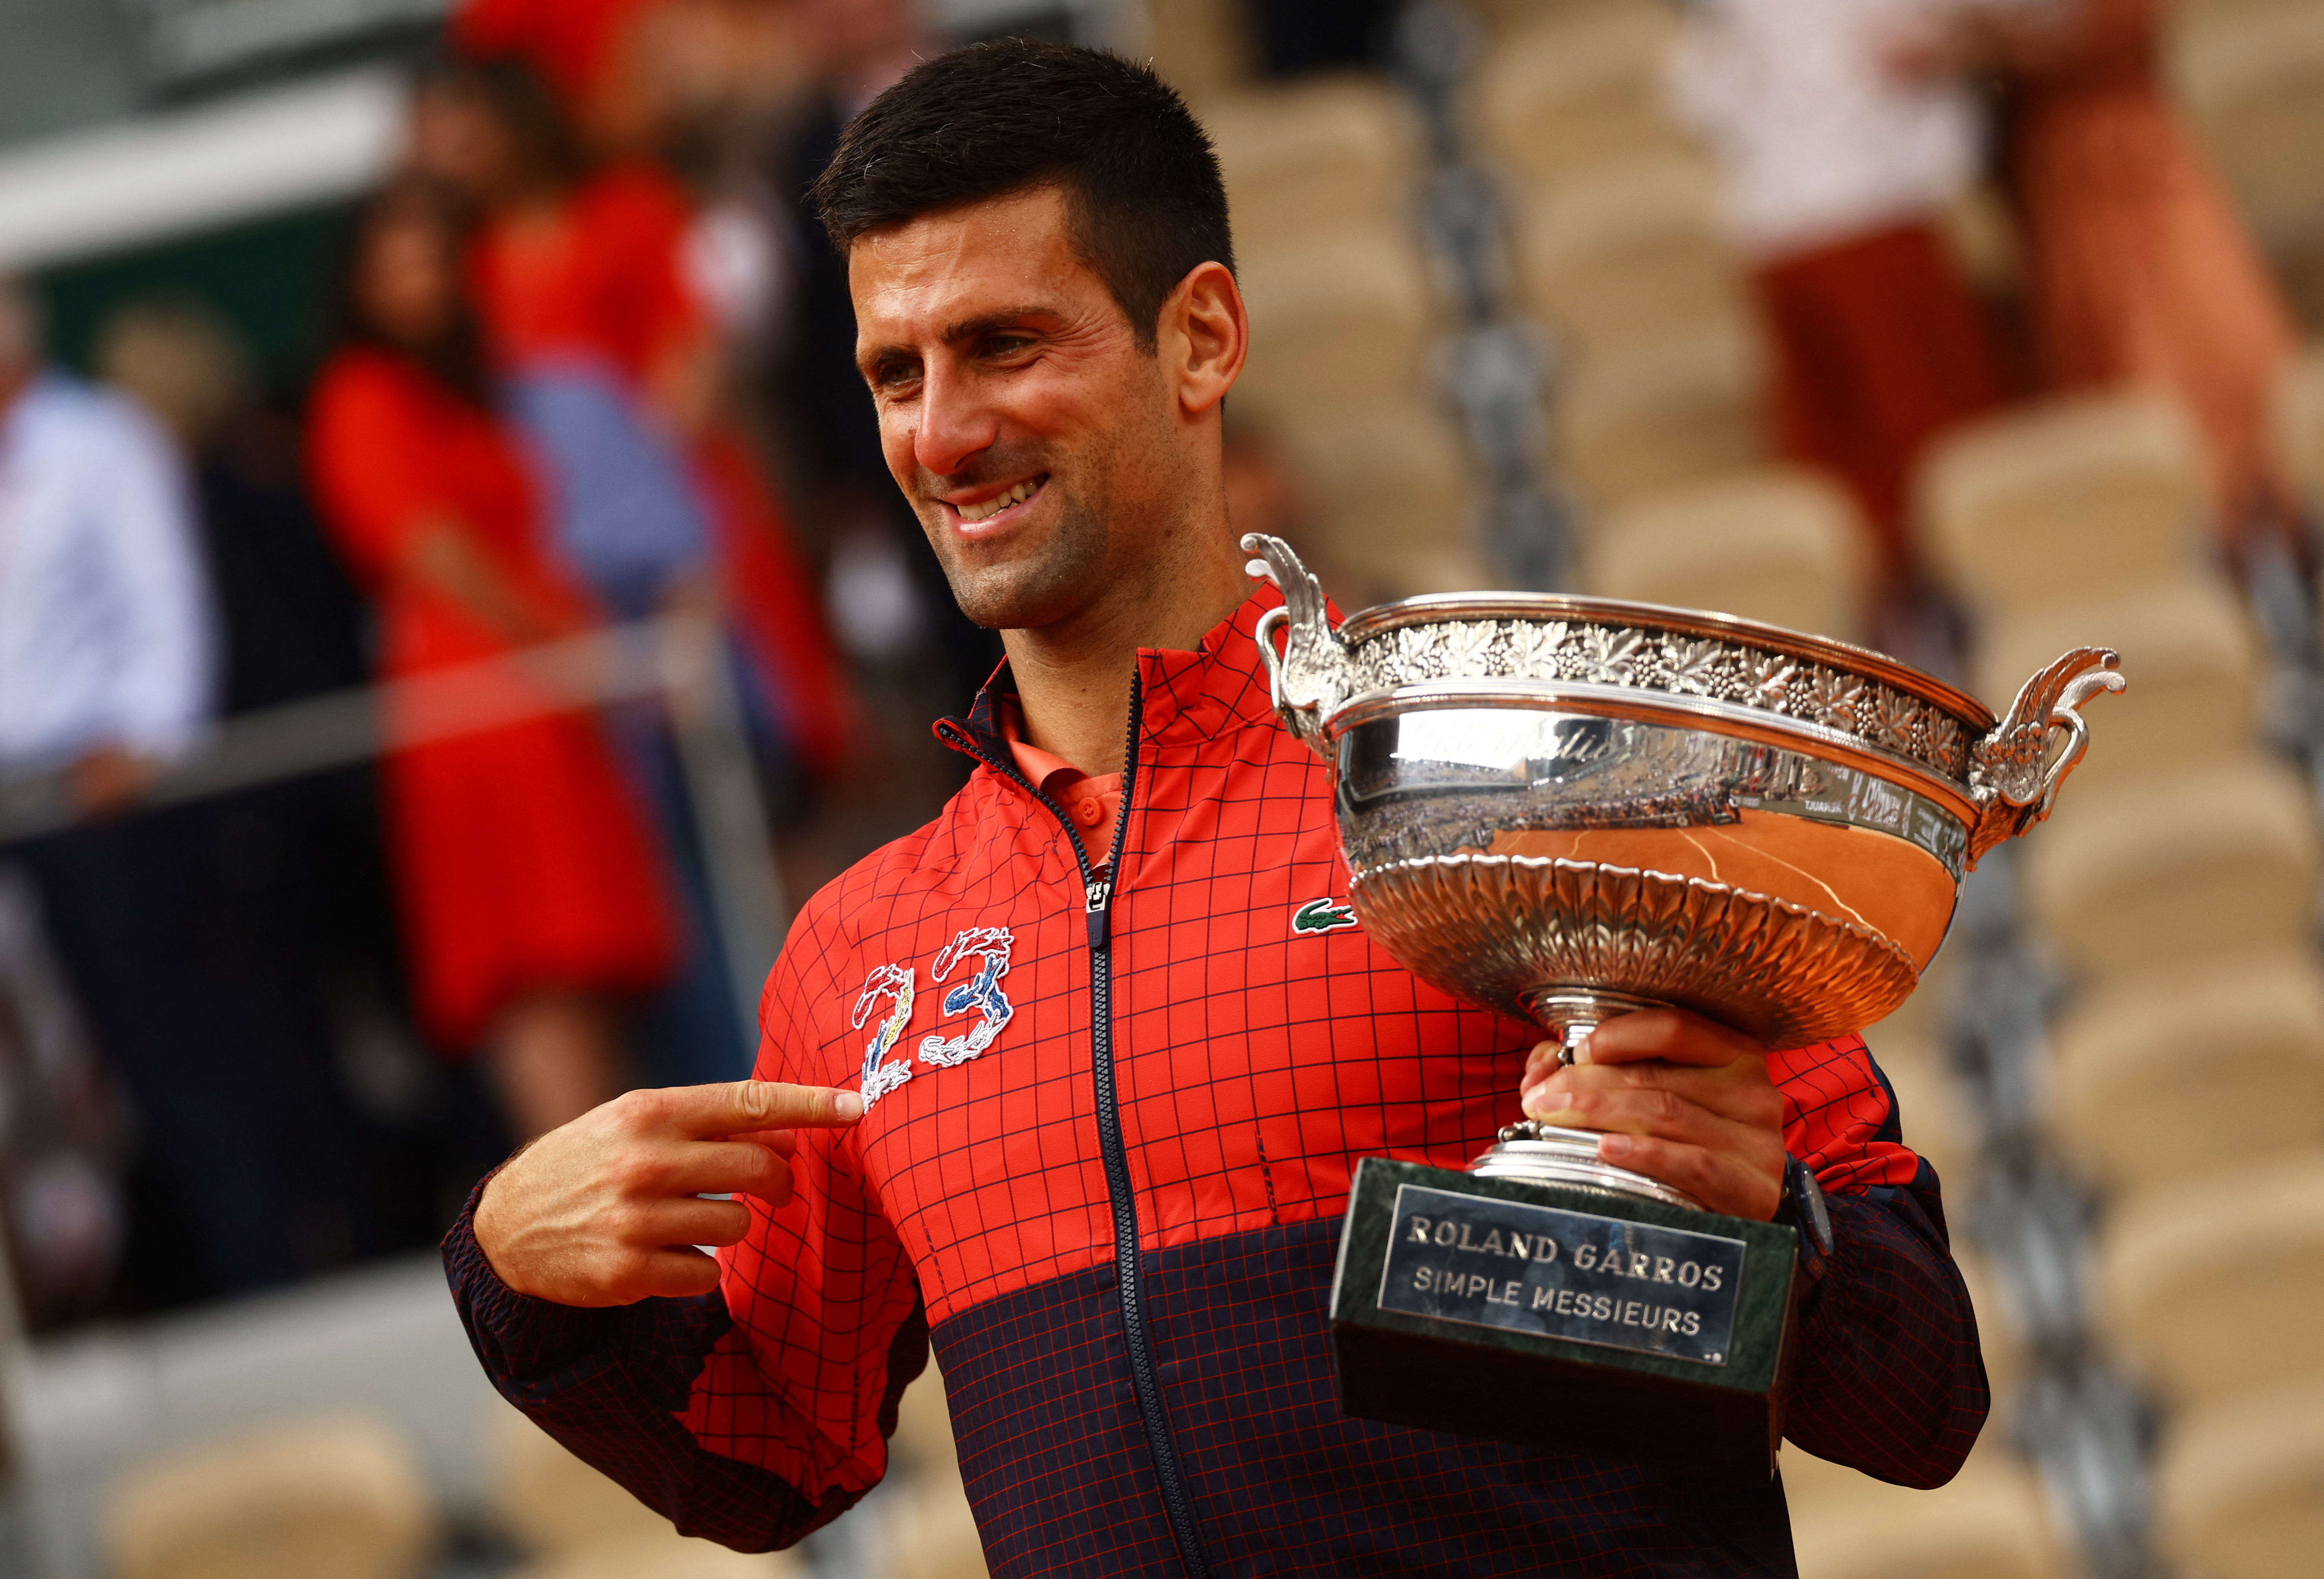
x=1672, y=1035
x=746, y=1106
x=725, y=1167
x=781, y=1142
x=694, y=1220
x=676, y=1273
x=1722, y=1183
x=1740, y=1091
x=1667, y=1115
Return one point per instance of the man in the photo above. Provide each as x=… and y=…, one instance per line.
x=107, y=662
x=1106, y=1096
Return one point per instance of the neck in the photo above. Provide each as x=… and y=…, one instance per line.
x=1072, y=678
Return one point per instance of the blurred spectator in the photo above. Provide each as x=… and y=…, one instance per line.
x=105, y=674
x=529, y=883
x=888, y=595
x=612, y=367
x=301, y=864
x=2140, y=272
x=1312, y=35
x=1837, y=170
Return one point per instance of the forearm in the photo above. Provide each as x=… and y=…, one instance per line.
x=613, y=1385
x=1890, y=1378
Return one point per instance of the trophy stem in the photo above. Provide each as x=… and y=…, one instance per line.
x=1541, y=1153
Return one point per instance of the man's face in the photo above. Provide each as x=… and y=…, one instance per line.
x=1035, y=438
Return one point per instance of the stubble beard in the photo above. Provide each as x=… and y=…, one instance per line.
x=1042, y=581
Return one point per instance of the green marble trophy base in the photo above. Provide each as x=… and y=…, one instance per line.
x=1565, y=1316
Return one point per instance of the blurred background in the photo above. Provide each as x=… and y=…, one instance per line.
x=452, y=607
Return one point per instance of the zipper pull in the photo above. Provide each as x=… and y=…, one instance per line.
x=1095, y=898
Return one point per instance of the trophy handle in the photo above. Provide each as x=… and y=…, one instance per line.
x=1309, y=679
x=2013, y=771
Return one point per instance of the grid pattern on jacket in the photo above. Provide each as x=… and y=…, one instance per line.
x=1256, y=1065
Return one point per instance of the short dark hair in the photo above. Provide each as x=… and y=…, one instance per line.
x=1141, y=183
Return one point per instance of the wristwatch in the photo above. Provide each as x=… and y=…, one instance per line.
x=1803, y=1208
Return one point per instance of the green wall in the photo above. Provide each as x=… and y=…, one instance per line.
x=272, y=279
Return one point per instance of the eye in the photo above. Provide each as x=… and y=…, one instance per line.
x=887, y=377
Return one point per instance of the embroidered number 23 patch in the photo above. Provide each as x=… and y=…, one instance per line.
x=989, y=948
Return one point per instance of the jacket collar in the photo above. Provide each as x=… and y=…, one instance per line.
x=1186, y=698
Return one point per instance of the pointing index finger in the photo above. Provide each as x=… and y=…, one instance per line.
x=741, y=1106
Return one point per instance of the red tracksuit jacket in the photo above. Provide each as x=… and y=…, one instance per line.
x=1113, y=1112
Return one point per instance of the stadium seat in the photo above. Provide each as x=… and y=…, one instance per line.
x=552, y=1502
x=2209, y=1289
x=2252, y=78
x=2154, y=1080
x=340, y=1496
x=2300, y=426
x=2239, y=1488
x=1990, y=1522
x=1630, y=251
x=1201, y=47
x=1338, y=323
x=667, y=1555
x=1579, y=87
x=1779, y=544
x=2215, y=863
x=1385, y=485
x=2064, y=496
x=1316, y=158
x=2190, y=653
x=1660, y=414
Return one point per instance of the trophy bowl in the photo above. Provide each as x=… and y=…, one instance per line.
x=1566, y=809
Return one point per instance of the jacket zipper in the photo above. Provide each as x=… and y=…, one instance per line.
x=1097, y=901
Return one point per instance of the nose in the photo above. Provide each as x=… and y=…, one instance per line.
x=957, y=424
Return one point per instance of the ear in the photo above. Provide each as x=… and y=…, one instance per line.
x=1204, y=333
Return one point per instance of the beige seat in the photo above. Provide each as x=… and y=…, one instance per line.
x=1319, y=157
x=1990, y=1522
x=2062, y=497
x=2252, y=78
x=2214, y=862
x=1781, y=545
x=2299, y=421
x=1385, y=485
x=552, y=1502
x=667, y=1555
x=1630, y=251
x=934, y=1537
x=2238, y=1489
x=1336, y=324
x=2192, y=658
x=1661, y=415
x=2210, y=1289
x=1578, y=87
x=2153, y=1080
x=1201, y=47
x=341, y=1496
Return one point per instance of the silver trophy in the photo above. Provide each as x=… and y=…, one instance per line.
x=1567, y=809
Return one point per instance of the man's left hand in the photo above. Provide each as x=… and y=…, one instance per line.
x=1679, y=1099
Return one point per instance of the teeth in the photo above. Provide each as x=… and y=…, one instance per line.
x=999, y=502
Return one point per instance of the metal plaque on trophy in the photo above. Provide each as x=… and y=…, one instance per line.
x=1567, y=809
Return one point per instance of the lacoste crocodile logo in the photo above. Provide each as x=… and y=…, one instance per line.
x=1323, y=915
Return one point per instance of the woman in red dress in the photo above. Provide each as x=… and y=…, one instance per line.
x=530, y=891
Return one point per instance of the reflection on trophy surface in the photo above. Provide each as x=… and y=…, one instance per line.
x=1566, y=809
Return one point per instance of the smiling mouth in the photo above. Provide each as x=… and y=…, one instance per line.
x=973, y=514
